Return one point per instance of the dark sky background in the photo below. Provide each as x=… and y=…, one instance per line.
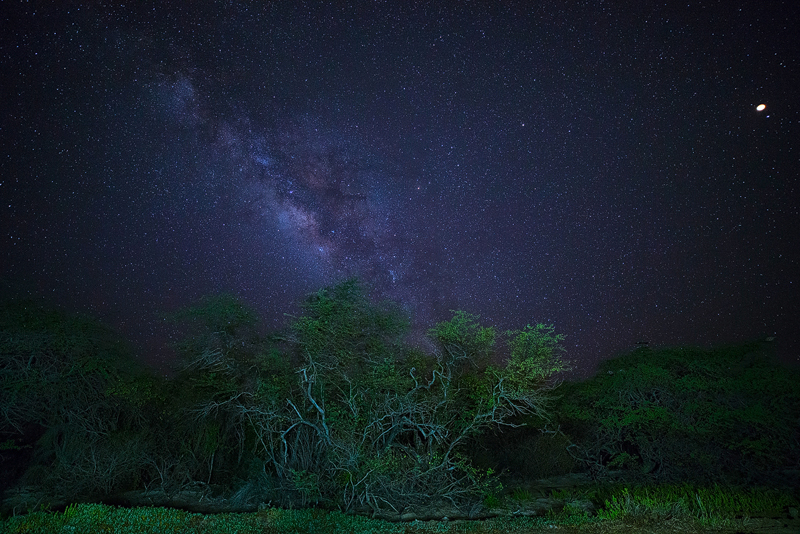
x=597, y=165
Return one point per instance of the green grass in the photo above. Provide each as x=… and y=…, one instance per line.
x=97, y=518
x=708, y=507
x=521, y=495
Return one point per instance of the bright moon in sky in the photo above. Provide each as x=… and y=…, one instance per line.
x=761, y=107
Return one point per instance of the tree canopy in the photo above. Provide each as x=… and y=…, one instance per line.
x=725, y=414
x=337, y=409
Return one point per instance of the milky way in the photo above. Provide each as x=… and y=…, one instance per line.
x=603, y=168
x=312, y=199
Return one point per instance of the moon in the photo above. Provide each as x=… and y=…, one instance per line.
x=761, y=107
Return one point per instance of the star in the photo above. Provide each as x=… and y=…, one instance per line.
x=270, y=153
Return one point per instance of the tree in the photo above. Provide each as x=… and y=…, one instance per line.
x=389, y=423
x=63, y=384
x=726, y=414
x=337, y=409
x=222, y=362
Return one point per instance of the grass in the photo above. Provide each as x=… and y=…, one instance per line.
x=710, y=507
x=701, y=507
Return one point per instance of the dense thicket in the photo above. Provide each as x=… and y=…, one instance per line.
x=336, y=409
x=339, y=410
x=730, y=414
x=67, y=401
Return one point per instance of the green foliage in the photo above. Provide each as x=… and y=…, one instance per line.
x=462, y=337
x=562, y=493
x=535, y=355
x=641, y=505
x=677, y=413
x=227, y=371
x=335, y=409
x=521, y=495
x=697, y=508
x=222, y=313
x=9, y=445
x=101, y=518
x=71, y=385
x=382, y=415
x=710, y=506
x=138, y=390
x=219, y=335
x=341, y=327
x=307, y=484
x=492, y=501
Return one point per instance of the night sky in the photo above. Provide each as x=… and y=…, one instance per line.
x=597, y=165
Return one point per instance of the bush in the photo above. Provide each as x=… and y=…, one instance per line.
x=69, y=388
x=334, y=410
x=351, y=416
x=726, y=414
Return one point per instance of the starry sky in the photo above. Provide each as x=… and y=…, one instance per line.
x=597, y=165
